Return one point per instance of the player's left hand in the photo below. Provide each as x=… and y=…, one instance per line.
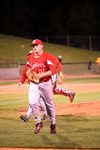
x=32, y=76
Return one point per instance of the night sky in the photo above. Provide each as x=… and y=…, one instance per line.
x=50, y=17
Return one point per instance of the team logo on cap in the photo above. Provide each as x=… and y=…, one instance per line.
x=36, y=41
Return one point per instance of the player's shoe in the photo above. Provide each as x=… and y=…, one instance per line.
x=45, y=117
x=38, y=126
x=24, y=118
x=53, y=129
x=71, y=96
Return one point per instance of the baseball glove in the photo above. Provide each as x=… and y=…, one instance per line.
x=32, y=76
x=60, y=78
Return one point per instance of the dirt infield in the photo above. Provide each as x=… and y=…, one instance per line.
x=78, y=109
x=87, y=108
x=31, y=149
x=37, y=149
x=28, y=149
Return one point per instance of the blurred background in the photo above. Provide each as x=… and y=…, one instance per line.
x=67, y=28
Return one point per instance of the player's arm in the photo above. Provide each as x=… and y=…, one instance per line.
x=23, y=76
x=51, y=71
x=44, y=74
x=59, y=70
x=56, y=62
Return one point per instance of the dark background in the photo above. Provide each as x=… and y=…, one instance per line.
x=50, y=17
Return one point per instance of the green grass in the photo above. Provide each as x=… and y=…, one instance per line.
x=67, y=80
x=16, y=48
x=9, y=82
x=80, y=97
x=82, y=80
x=72, y=131
x=17, y=101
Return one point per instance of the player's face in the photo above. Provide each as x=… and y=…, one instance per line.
x=38, y=49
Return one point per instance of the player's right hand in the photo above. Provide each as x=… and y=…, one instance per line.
x=19, y=84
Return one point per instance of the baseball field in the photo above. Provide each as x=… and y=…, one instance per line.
x=78, y=123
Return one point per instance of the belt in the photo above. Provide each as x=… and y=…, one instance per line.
x=39, y=81
x=34, y=82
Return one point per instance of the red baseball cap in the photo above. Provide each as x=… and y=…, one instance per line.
x=36, y=42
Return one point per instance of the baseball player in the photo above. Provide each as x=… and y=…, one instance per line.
x=42, y=65
x=41, y=103
x=57, y=78
x=56, y=89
